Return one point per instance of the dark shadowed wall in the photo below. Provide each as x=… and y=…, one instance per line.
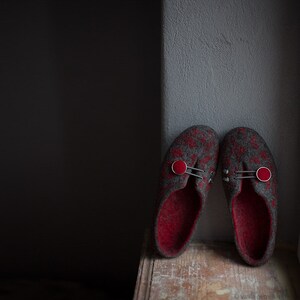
x=80, y=137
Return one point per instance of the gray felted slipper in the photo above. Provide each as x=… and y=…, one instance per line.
x=250, y=183
x=186, y=177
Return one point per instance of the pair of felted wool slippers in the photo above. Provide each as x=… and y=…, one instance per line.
x=250, y=183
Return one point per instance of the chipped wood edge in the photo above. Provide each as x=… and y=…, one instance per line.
x=145, y=273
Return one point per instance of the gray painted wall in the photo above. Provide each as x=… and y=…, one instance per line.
x=236, y=63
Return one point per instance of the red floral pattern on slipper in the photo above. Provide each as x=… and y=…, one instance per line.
x=181, y=198
x=251, y=193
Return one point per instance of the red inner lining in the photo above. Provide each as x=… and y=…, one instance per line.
x=252, y=222
x=177, y=218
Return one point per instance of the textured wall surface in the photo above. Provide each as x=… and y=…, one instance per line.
x=236, y=63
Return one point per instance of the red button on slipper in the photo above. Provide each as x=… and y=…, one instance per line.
x=186, y=177
x=250, y=184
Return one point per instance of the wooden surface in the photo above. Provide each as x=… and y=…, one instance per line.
x=215, y=271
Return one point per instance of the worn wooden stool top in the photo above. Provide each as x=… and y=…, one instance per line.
x=215, y=271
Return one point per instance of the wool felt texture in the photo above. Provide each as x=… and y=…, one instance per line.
x=252, y=203
x=181, y=198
